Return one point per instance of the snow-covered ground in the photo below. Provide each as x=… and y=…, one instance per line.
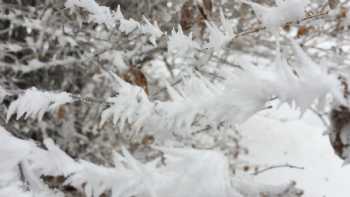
x=280, y=137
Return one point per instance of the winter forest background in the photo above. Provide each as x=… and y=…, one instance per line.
x=182, y=98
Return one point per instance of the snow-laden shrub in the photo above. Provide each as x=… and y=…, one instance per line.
x=147, y=110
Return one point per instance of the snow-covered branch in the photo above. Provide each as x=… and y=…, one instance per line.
x=160, y=177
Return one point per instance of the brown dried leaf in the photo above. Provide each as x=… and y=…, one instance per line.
x=340, y=119
x=343, y=12
x=148, y=140
x=302, y=31
x=186, y=20
x=61, y=112
x=136, y=77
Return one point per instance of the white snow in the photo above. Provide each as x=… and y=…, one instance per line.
x=280, y=137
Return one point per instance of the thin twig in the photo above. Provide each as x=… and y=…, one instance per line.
x=321, y=116
x=21, y=173
x=90, y=100
x=258, y=29
x=287, y=165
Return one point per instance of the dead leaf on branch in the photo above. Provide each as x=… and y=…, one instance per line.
x=61, y=112
x=148, y=140
x=339, y=134
x=136, y=77
x=303, y=30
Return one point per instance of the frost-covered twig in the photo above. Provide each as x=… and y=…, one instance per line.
x=34, y=103
x=258, y=29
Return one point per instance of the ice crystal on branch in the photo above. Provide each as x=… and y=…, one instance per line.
x=181, y=44
x=34, y=103
x=151, y=29
x=98, y=14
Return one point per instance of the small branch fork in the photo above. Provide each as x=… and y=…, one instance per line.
x=287, y=165
x=90, y=100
